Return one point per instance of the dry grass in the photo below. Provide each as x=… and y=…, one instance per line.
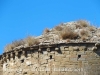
x=8, y=47
x=84, y=33
x=78, y=26
x=91, y=28
x=83, y=23
x=84, y=38
x=46, y=31
x=58, y=28
x=17, y=43
x=64, y=33
x=30, y=41
x=14, y=44
x=68, y=34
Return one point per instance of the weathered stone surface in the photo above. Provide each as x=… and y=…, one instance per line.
x=65, y=61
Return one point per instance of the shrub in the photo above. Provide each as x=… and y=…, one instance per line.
x=84, y=33
x=84, y=38
x=30, y=41
x=78, y=26
x=68, y=34
x=91, y=29
x=8, y=47
x=46, y=31
x=58, y=28
x=83, y=23
x=18, y=43
x=13, y=45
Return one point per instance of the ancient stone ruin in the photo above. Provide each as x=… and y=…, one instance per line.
x=71, y=48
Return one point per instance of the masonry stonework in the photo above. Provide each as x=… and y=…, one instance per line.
x=53, y=59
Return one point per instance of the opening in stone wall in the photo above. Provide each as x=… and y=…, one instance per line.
x=13, y=55
x=19, y=54
x=79, y=56
x=22, y=61
x=9, y=57
x=50, y=56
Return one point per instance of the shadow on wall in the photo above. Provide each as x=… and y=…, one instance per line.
x=97, y=52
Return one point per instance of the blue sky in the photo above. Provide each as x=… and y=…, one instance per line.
x=19, y=18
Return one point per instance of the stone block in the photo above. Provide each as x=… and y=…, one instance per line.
x=62, y=64
x=89, y=49
x=58, y=59
x=82, y=48
x=45, y=52
x=52, y=52
x=88, y=52
x=81, y=59
x=56, y=63
x=46, y=57
x=80, y=52
x=63, y=52
x=51, y=60
x=22, y=57
x=56, y=53
x=84, y=56
x=73, y=56
x=73, y=52
x=62, y=48
x=43, y=61
x=35, y=55
x=55, y=73
x=73, y=63
x=70, y=48
x=65, y=59
x=66, y=49
x=67, y=52
x=73, y=59
x=93, y=61
x=76, y=48
x=62, y=73
x=68, y=56
x=18, y=64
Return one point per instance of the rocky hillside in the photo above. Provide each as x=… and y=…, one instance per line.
x=75, y=31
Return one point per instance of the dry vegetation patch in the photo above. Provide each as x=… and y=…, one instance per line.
x=68, y=34
x=75, y=30
x=8, y=47
x=46, y=31
x=91, y=28
x=18, y=42
x=78, y=26
x=30, y=41
x=58, y=28
x=84, y=33
x=83, y=23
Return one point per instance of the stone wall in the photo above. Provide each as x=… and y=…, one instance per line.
x=54, y=59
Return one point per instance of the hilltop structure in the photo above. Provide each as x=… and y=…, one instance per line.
x=71, y=48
